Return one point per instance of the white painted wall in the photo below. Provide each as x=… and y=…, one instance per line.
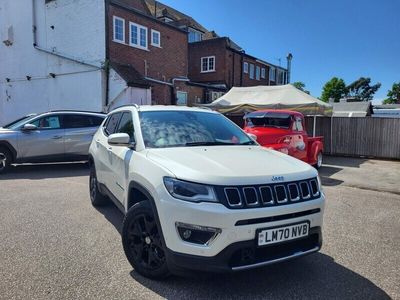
x=79, y=33
x=120, y=94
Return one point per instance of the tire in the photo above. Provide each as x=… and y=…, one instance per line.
x=318, y=165
x=142, y=242
x=96, y=197
x=5, y=160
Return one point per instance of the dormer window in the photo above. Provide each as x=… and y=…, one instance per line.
x=195, y=35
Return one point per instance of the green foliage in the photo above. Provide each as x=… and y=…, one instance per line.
x=362, y=90
x=393, y=94
x=301, y=86
x=334, y=88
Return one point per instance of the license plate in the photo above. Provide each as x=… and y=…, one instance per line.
x=284, y=233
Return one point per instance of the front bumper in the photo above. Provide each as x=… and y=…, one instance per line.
x=246, y=255
x=235, y=247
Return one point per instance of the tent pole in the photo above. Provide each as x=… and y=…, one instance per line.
x=314, y=125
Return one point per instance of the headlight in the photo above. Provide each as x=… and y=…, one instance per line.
x=320, y=184
x=189, y=191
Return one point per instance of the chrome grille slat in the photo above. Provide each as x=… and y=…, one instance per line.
x=246, y=191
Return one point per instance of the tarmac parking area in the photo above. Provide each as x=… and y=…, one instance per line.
x=55, y=245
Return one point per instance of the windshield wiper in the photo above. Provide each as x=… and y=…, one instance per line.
x=248, y=143
x=208, y=144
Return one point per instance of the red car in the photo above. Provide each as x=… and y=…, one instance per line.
x=284, y=131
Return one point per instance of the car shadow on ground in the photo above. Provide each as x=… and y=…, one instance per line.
x=316, y=276
x=48, y=170
x=342, y=161
x=311, y=277
x=325, y=173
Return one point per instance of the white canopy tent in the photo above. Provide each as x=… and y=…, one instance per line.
x=240, y=100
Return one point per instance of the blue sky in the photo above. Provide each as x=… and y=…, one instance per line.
x=343, y=38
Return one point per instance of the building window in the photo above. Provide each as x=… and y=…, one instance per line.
x=138, y=36
x=263, y=73
x=195, y=35
x=155, y=38
x=258, y=72
x=207, y=64
x=272, y=73
x=119, y=30
x=251, y=71
x=246, y=67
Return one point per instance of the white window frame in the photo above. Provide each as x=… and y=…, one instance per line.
x=123, y=30
x=201, y=34
x=272, y=74
x=159, y=38
x=258, y=72
x=208, y=64
x=263, y=73
x=138, y=36
x=246, y=67
x=251, y=71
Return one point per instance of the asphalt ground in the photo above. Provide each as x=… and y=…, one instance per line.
x=55, y=245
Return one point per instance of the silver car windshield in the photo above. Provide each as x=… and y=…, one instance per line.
x=163, y=129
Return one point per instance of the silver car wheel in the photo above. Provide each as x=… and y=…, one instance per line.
x=3, y=161
x=319, y=160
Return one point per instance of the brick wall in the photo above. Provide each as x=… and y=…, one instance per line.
x=161, y=63
x=228, y=68
x=213, y=47
x=252, y=82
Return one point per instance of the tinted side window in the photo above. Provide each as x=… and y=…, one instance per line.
x=81, y=121
x=126, y=125
x=112, y=123
x=49, y=122
x=77, y=121
x=96, y=121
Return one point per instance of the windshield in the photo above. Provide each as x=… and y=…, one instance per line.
x=17, y=123
x=277, y=120
x=163, y=129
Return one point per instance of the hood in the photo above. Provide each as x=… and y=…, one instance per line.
x=6, y=130
x=230, y=165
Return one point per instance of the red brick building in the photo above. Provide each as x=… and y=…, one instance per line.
x=155, y=47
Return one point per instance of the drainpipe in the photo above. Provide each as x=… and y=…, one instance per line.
x=107, y=70
x=241, y=68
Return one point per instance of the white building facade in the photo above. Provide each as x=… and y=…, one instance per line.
x=53, y=56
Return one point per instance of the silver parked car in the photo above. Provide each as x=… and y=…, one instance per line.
x=48, y=137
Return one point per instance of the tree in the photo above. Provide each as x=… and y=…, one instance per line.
x=393, y=94
x=301, y=86
x=334, y=88
x=362, y=90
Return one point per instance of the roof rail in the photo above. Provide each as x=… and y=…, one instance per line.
x=125, y=105
x=75, y=110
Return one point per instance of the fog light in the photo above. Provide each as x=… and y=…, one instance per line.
x=196, y=234
x=187, y=233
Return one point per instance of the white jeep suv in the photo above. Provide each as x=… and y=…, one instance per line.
x=199, y=194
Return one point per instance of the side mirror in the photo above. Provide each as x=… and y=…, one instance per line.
x=252, y=136
x=120, y=139
x=29, y=127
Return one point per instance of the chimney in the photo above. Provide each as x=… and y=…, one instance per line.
x=289, y=66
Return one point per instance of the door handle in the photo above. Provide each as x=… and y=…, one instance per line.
x=109, y=149
x=57, y=137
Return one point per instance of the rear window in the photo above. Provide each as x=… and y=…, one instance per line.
x=276, y=120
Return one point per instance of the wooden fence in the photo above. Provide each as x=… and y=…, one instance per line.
x=368, y=137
